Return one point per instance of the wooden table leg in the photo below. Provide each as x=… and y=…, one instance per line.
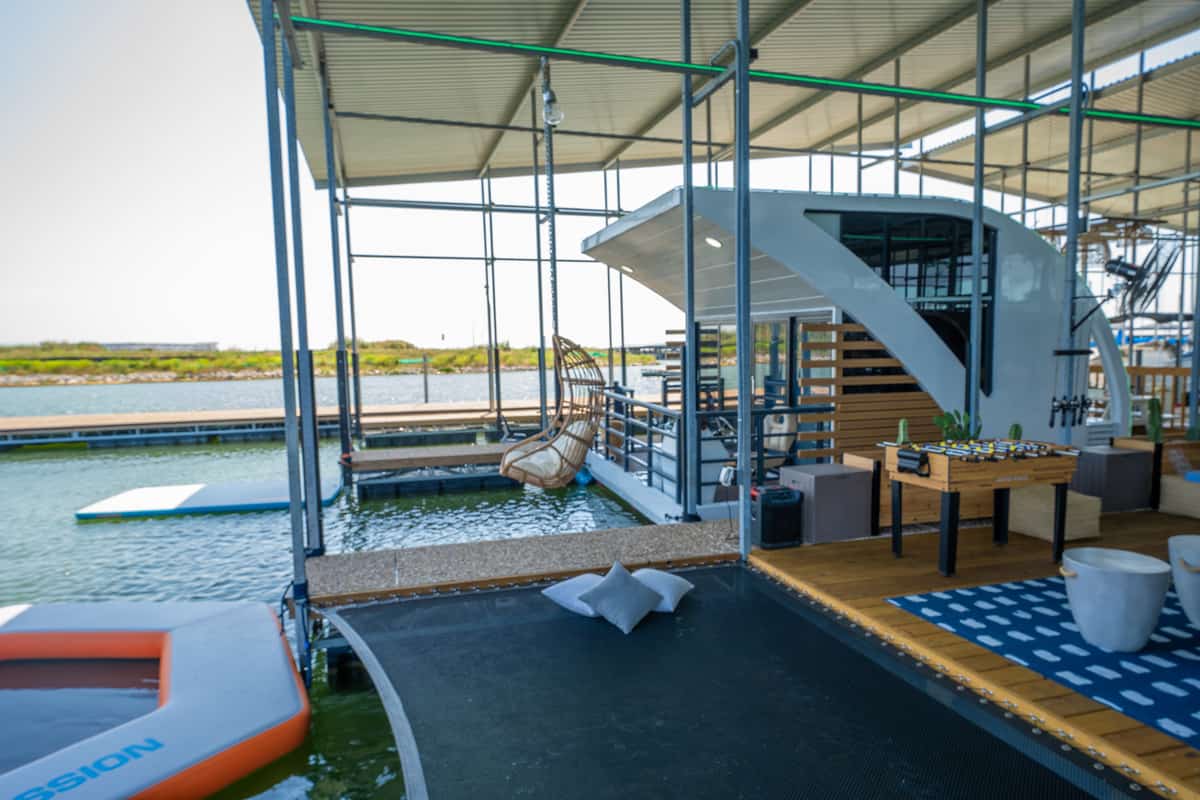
x=1000, y=498
x=1060, y=520
x=948, y=546
x=897, y=500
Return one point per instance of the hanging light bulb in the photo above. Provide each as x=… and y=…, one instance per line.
x=552, y=112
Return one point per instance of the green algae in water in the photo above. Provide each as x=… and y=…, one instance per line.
x=349, y=753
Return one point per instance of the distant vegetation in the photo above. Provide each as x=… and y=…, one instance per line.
x=85, y=362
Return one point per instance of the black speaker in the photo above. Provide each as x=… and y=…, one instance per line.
x=775, y=516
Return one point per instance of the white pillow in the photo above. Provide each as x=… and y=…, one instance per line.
x=670, y=587
x=566, y=593
x=621, y=598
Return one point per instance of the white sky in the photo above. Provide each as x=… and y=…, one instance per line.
x=136, y=202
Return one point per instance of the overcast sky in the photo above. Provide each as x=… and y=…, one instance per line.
x=136, y=202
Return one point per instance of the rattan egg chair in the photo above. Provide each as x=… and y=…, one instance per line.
x=551, y=458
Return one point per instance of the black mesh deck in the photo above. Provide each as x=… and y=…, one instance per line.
x=743, y=693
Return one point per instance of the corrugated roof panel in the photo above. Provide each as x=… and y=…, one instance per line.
x=935, y=39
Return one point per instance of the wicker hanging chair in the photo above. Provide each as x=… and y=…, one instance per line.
x=551, y=458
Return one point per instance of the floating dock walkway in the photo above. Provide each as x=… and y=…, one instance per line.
x=377, y=574
x=232, y=425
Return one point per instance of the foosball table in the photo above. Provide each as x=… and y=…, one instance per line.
x=997, y=464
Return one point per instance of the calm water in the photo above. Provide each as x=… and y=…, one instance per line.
x=49, y=556
x=19, y=401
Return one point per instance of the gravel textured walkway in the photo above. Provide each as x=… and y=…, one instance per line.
x=353, y=577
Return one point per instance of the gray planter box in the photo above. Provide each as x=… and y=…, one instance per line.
x=837, y=500
x=1120, y=478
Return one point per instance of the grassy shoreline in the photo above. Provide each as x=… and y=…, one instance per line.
x=68, y=363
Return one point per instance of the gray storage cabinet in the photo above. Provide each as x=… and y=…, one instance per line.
x=837, y=500
x=1120, y=478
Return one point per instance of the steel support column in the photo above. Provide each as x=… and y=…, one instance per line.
x=284, y=298
x=309, y=442
x=343, y=389
x=491, y=265
x=1025, y=151
x=1194, y=384
x=1075, y=144
x=896, y=129
x=975, y=362
x=691, y=427
x=537, y=240
x=745, y=335
x=358, y=431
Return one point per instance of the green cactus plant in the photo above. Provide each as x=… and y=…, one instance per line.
x=1014, y=431
x=1154, y=427
x=902, y=431
x=957, y=426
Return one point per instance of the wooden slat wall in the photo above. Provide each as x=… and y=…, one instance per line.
x=862, y=420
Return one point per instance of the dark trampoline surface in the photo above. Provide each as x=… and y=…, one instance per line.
x=740, y=693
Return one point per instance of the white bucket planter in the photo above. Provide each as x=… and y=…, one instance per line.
x=1185, y=566
x=1115, y=595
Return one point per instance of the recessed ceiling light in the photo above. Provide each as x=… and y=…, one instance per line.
x=711, y=242
x=626, y=269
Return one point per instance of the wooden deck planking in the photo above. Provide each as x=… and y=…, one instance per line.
x=451, y=455
x=855, y=578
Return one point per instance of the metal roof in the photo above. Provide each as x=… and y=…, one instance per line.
x=852, y=39
x=1171, y=89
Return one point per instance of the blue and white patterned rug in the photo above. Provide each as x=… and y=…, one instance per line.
x=1030, y=623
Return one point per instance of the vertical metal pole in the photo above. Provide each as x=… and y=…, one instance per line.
x=1137, y=197
x=858, y=161
x=977, y=257
x=1073, y=162
x=537, y=240
x=691, y=391
x=1194, y=382
x=284, y=298
x=608, y=288
x=896, y=134
x=621, y=312
x=621, y=292
x=425, y=374
x=487, y=298
x=745, y=340
x=358, y=431
x=1183, y=258
x=831, y=169
x=1025, y=152
x=331, y=180
x=551, y=208
x=711, y=170
x=921, y=167
x=491, y=232
x=308, y=411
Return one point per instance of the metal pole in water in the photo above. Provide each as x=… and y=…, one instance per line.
x=308, y=415
x=283, y=296
x=621, y=311
x=425, y=373
x=353, y=321
x=689, y=475
x=745, y=343
x=976, y=327
x=537, y=240
x=1074, y=146
x=343, y=389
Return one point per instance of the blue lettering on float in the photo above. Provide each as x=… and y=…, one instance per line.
x=67, y=781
